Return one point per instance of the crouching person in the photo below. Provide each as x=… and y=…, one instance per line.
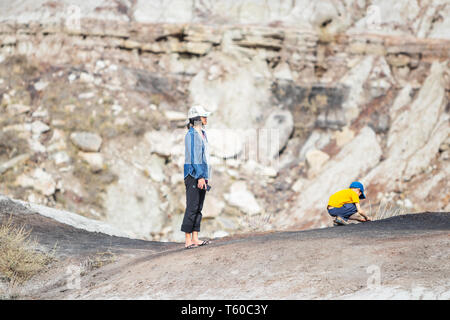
x=344, y=205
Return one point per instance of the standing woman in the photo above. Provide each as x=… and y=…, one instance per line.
x=196, y=175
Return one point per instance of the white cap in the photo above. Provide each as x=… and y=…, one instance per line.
x=197, y=111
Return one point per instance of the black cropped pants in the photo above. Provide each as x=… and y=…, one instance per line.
x=194, y=204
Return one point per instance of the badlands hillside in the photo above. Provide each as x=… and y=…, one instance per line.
x=307, y=96
x=403, y=257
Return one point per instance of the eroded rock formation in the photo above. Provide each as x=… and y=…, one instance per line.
x=347, y=89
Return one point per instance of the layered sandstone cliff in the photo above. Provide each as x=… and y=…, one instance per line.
x=306, y=97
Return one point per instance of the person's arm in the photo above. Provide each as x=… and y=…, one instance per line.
x=361, y=212
x=197, y=159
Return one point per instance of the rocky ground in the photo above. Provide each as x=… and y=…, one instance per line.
x=403, y=257
x=93, y=98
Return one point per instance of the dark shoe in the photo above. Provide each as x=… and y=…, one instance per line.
x=192, y=246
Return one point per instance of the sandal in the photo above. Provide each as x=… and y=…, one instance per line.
x=204, y=243
x=341, y=221
x=192, y=246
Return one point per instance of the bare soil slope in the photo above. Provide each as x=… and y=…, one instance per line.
x=401, y=257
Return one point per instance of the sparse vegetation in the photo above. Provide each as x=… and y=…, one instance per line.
x=99, y=260
x=19, y=258
x=258, y=223
x=385, y=211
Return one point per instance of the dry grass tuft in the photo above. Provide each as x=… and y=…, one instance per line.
x=384, y=211
x=99, y=260
x=19, y=258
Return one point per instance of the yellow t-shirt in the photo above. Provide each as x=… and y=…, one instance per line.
x=342, y=197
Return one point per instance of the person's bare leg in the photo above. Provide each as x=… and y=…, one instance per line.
x=195, y=238
x=197, y=241
x=187, y=239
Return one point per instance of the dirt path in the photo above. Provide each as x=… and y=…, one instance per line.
x=403, y=257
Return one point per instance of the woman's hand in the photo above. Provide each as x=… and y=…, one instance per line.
x=201, y=183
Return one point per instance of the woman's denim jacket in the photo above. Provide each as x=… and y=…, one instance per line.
x=196, y=155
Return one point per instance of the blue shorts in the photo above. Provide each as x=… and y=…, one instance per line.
x=344, y=212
